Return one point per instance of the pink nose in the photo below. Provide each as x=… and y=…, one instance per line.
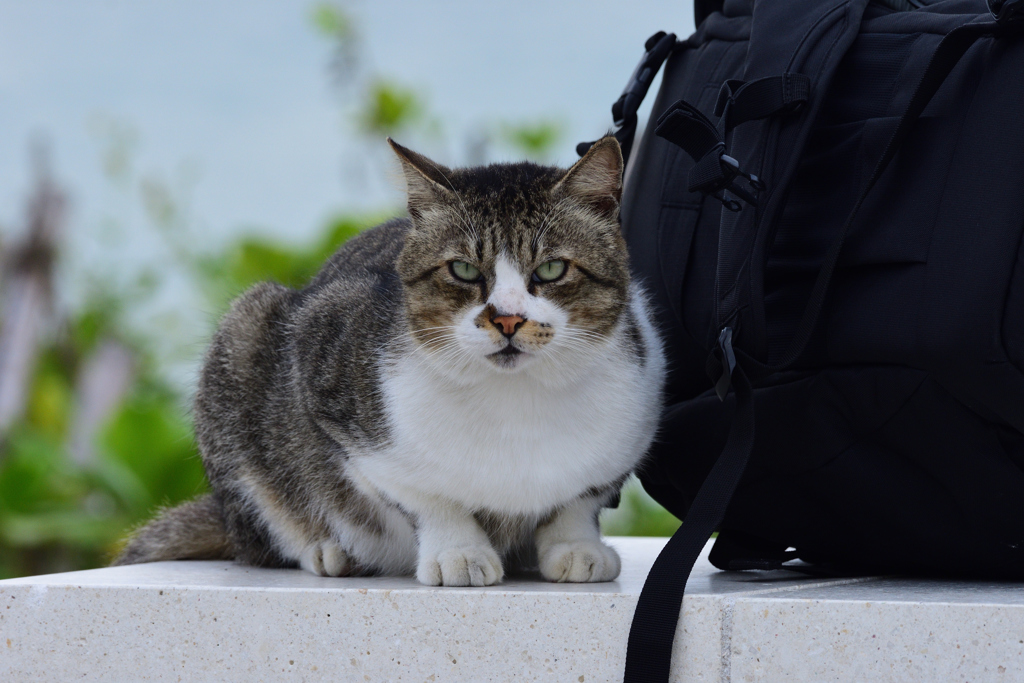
x=508, y=324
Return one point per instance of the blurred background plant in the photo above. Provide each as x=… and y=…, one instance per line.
x=94, y=435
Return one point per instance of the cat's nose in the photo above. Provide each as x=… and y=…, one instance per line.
x=507, y=324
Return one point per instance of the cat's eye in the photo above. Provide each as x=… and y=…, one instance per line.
x=466, y=272
x=549, y=271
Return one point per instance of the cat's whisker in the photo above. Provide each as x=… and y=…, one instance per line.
x=581, y=334
x=427, y=329
x=572, y=329
x=589, y=336
x=574, y=349
x=578, y=346
x=453, y=352
x=444, y=353
x=577, y=343
x=574, y=336
x=442, y=345
x=432, y=335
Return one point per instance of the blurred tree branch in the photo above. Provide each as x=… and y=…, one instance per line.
x=27, y=278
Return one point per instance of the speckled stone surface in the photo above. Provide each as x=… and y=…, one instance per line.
x=882, y=630
x=215, y=621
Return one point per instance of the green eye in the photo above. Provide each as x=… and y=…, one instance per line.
x=549, y=271
x=466, y=272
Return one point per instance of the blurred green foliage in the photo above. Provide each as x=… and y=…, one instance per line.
x=251, y=259
x=57, y=514
x=390, y=109
x=333, y=21
x=638, y=515
x=534, y=140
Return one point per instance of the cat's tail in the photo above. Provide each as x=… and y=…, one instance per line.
x=191, y=531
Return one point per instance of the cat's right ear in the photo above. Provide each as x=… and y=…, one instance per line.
x=426, y=182
x=596, y=179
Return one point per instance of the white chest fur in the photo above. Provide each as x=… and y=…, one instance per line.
x=516, y=443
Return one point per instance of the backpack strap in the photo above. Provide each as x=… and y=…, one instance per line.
x=656, y=50
x=649, y=651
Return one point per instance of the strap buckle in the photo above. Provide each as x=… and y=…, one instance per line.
x=732, y=169
x=714, y=171
x=1007, y=12
x=657, y=49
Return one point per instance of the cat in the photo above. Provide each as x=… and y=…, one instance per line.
x=467, y=385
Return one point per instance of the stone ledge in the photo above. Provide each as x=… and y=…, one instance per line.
x=216, y=621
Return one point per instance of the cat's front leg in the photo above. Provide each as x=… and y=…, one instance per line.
x=569, y=546
x=453, y=549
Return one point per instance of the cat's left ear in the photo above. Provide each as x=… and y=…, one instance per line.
x=596, y=179
x=426, y=182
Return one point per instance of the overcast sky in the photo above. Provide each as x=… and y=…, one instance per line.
x=233, y=99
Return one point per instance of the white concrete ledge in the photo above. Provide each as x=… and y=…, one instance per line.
x=215, y=621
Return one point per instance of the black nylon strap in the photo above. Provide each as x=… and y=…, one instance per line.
x=649, y=651
x=707, y=175
x=739, y=102
x=684, y=125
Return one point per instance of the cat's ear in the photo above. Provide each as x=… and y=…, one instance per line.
x=426, y=182
x=596, y=179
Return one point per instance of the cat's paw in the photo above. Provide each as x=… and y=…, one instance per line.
x=580, y=562
x=326, y=558
x=475, y=565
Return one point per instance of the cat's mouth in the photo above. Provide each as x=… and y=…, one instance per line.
x=506, y=358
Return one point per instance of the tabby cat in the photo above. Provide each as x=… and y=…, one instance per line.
x=466, y=386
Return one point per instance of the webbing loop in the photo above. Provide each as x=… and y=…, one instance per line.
x=739, y=101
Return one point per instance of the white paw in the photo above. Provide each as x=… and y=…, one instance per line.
x=326, y=558
x=475, y=565
x=579, y=562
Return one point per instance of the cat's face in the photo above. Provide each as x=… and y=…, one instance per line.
x=513, y=263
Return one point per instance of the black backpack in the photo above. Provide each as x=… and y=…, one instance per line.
x=828, y=208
